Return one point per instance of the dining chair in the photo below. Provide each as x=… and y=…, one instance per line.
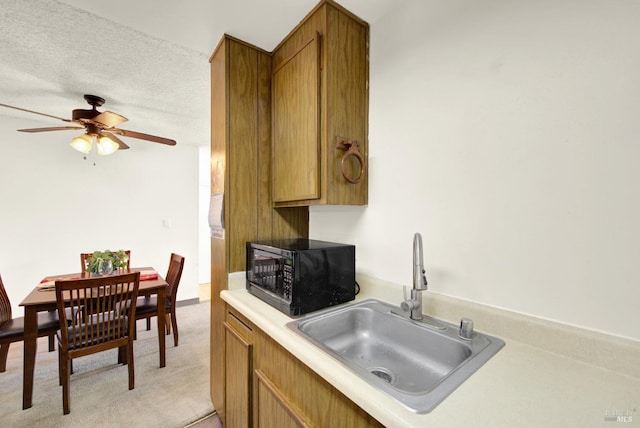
x=85, y=256
x=147, y=306
x=106, y=321
x=12, y=329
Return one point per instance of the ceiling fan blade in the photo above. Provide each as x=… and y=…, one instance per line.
x=35, y=112
x=108, y=119
x=121, y=143
x=141, y=136
x=54, y=128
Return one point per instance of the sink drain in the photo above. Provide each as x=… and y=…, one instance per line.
x=383, y=374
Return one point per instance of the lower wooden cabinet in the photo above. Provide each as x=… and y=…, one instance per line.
x=238, y=372
x=268, y=387
x=273, y=408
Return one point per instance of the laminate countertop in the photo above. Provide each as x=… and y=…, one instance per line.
x=522, y=385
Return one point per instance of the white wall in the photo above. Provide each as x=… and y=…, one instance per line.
x=55, y=205
x=507, y=133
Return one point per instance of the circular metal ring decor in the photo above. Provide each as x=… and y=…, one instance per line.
x=353, y=151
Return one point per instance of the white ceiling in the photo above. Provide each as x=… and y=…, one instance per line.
x=148, y=58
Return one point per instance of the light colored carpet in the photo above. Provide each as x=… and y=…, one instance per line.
x=169, y=397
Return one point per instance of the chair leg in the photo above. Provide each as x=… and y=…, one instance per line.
x=174, y=321
x=4, y=351
x=52, y=346
x=66, y=367
x=167, y=322
x=60, y=366
x=130, y=364
x=148, y=323
x=60, y=363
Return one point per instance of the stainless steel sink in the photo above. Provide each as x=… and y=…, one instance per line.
x=418, y=363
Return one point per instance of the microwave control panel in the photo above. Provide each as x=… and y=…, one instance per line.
x=287, y=280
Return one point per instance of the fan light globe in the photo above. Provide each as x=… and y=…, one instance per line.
x=106, y=145
x=83, y=143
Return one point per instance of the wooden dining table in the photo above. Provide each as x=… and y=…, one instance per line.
x=43, y=299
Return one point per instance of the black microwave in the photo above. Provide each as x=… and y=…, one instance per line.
x=298, y=276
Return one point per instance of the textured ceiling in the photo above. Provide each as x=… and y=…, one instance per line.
x=147, y=58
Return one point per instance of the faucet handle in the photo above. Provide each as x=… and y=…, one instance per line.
x=413, y=303
x=408, y=305
x=405, y=301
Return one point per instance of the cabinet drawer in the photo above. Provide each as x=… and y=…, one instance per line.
x=240, y=325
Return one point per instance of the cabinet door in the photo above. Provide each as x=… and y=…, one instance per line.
x=238, y=362
x=274, y=409
x=296, y=125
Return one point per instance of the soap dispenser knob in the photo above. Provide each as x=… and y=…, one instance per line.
x=466, y=329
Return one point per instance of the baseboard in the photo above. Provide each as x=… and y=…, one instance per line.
x=187, y=302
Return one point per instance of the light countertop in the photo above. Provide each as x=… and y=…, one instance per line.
x=522, y=385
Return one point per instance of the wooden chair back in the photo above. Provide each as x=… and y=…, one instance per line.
x=5, y=304
x=95, y=313
x=12, y=329
x=85, y=256
x=174, y=273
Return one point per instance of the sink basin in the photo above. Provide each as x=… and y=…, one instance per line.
x=418, y=363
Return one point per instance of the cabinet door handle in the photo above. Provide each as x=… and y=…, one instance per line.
x=352, y=149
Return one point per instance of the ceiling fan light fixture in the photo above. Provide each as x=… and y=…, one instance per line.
x=106, y=145
x=100, y=125
x=82, y=143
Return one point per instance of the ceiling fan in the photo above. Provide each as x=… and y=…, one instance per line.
x=98, y=125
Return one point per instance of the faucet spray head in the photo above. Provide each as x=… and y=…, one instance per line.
x=419, y=277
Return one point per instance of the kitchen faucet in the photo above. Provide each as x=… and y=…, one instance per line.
x=414, y=304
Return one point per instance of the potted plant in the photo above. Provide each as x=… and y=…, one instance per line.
x=104, y=262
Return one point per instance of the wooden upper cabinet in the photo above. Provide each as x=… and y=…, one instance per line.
x=320, y=98
x=296, y=125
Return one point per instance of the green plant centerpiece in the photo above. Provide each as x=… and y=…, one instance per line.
x=99, y=259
